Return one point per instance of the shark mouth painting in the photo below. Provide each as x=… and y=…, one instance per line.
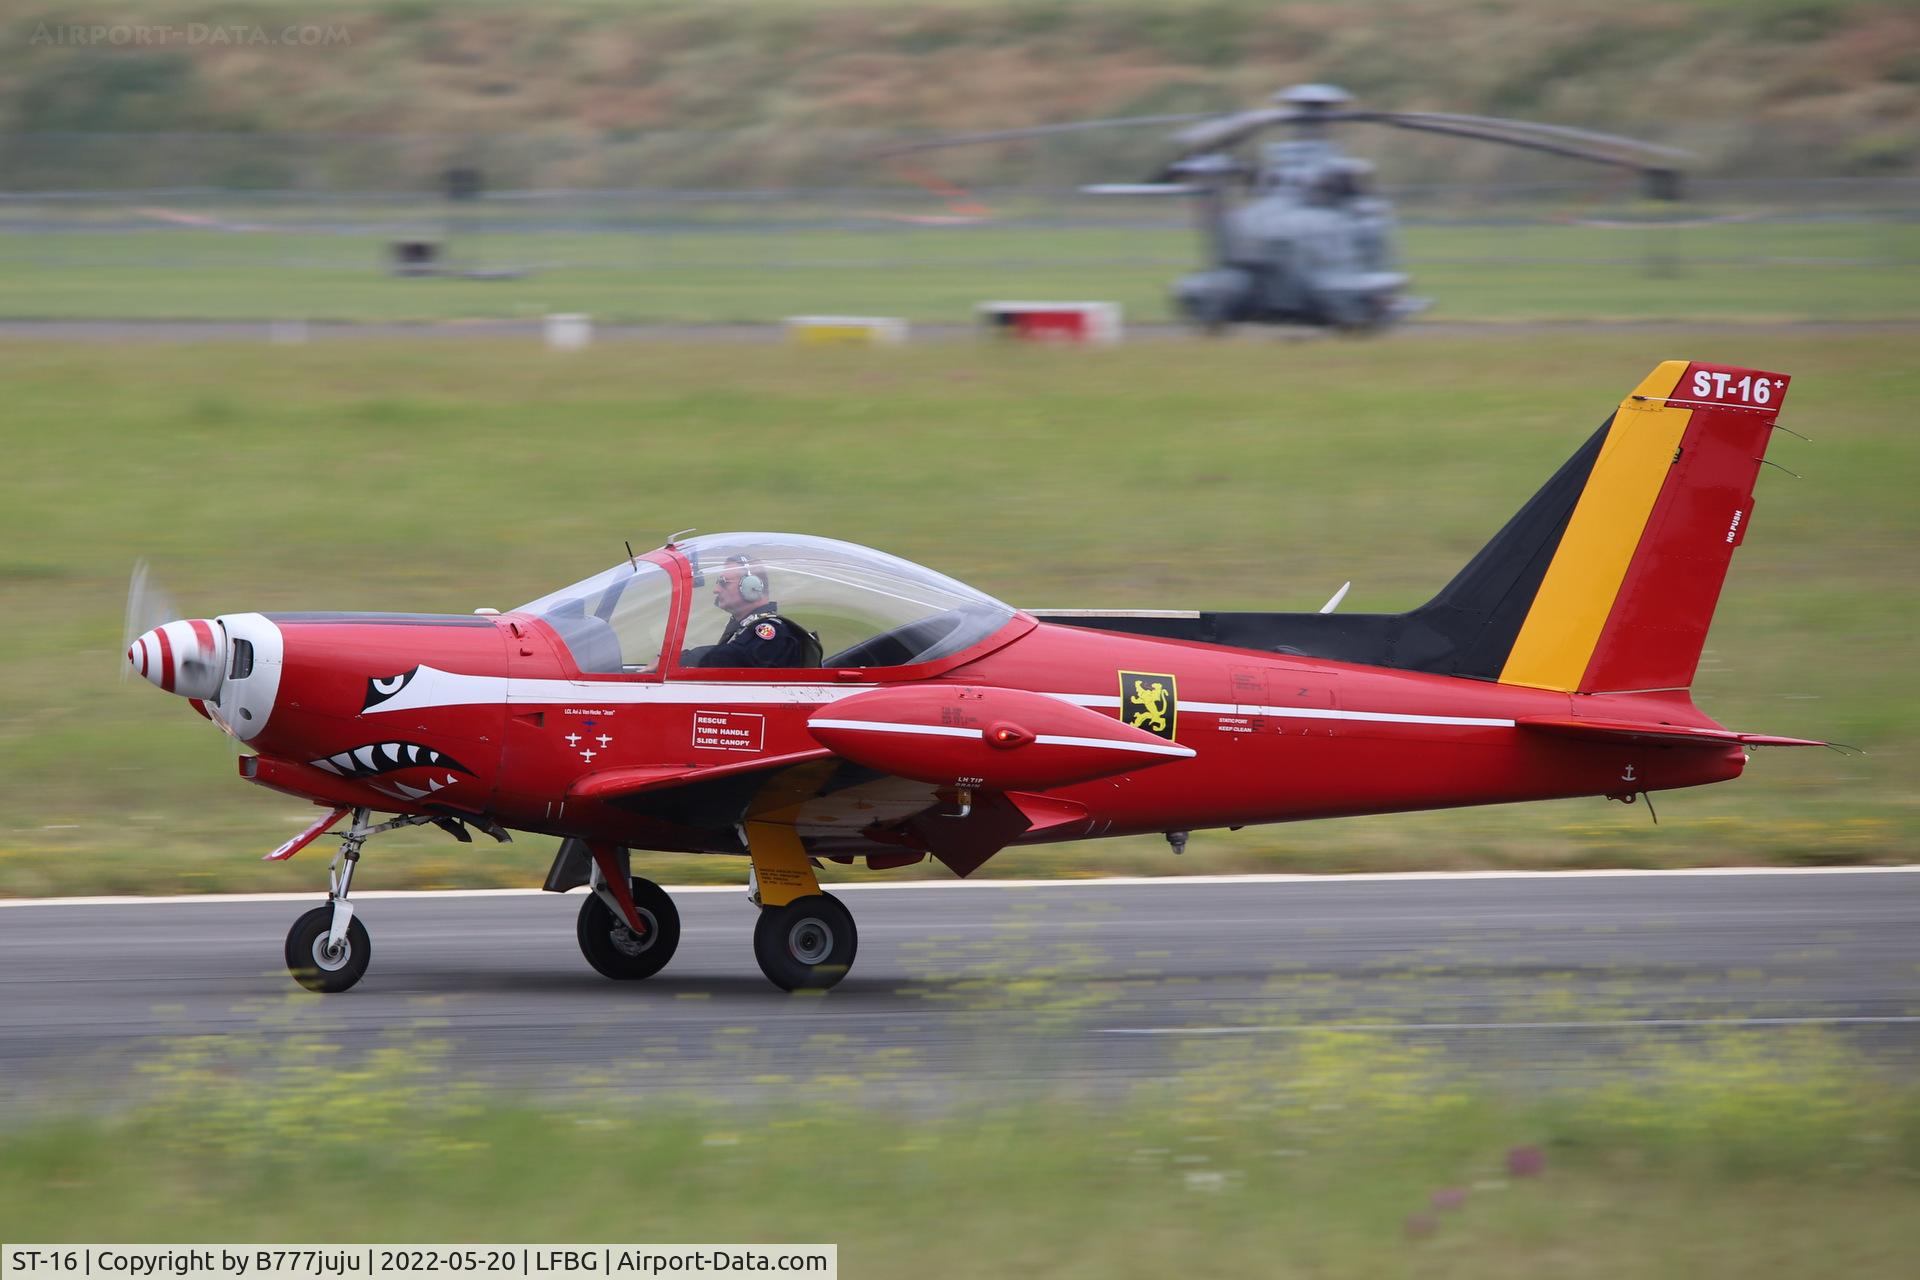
x=387, y=757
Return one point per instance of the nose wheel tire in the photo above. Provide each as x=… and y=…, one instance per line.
x=613, y=949
x=806, y=945
x=318, y=967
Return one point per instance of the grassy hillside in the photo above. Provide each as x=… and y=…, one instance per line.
x=1758, y=87
x=436, y=476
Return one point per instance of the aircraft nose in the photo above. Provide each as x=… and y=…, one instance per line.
x=187, y=658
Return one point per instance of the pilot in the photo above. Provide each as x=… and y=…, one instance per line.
x=756, y=635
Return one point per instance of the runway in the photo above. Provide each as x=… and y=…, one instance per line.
x=1051, y=985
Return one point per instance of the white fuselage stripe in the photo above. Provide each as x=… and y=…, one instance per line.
x=433, y=688
x=1110, y=702
x=884, y=726
x=1042, y=739
x=1109, y=744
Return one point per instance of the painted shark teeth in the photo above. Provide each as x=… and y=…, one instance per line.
x=401, y=791
x=377, y=758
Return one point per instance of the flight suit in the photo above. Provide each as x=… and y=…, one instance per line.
x=763, y=639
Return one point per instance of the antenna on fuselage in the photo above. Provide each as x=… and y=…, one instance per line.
x=631, y=558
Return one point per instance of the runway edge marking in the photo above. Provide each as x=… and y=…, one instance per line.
x=1093, y=882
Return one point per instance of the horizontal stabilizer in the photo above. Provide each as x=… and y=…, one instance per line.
x=1632, y=731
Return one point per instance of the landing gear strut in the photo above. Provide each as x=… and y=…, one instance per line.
x=804, y=939
x=327, y=949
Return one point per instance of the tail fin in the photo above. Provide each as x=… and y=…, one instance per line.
x=1604, y=581
x=1625, y=599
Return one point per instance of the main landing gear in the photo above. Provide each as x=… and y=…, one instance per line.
x=804, y=939
x=628, y=928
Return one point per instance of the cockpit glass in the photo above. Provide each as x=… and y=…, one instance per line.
x=829, y=604
x=614, y=621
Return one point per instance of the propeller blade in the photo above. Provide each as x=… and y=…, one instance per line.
x=148, y=606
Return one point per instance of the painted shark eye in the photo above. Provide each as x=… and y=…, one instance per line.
x=380, y=688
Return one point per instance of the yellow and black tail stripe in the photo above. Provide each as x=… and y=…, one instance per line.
x=1576, y=595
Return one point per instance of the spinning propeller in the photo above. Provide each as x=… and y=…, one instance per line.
x=187, y=657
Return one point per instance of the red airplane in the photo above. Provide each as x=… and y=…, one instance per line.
x=909, y=715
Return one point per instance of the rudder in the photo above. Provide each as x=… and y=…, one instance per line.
x=1626, y=600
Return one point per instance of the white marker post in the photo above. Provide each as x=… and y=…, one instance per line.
x=569, y=332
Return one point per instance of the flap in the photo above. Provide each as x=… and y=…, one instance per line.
x=1627, y=730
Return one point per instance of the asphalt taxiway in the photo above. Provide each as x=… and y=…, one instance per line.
x=1062, y=984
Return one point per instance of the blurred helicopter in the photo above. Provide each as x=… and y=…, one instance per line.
x=1307, y=241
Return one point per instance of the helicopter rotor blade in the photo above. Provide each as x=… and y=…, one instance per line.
x=1221, y=132
x=1141, y=189
x=1225, y=132
x=1659, y=166
x=1036, y=131
x=1498, y=124
x=1659, y=163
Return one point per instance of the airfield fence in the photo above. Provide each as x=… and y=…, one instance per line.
x=773, y=179
x=890, y=215
x=129, y=211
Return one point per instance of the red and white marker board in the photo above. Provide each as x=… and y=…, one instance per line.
x=1095, y=322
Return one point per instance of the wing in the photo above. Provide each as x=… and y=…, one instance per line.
x=840, y=810
x=958, y=772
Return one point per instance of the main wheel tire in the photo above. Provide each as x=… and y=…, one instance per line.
x=609, y=945
x=808, y=944
x=316, y=968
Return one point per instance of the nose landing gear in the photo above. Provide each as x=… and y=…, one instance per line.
x=318, y=962
x=327, y=949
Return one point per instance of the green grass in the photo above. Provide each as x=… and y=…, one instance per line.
x=767, y=93
x=1316, y=1155
x=1747, y=273
x=1255, y=474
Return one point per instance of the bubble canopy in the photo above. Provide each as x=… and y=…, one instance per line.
x=868, y=608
